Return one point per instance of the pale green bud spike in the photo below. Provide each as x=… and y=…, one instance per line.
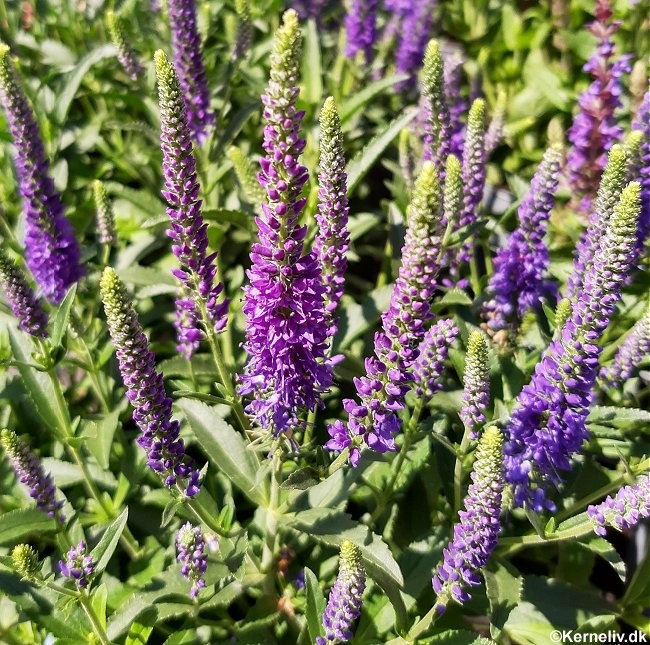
x=489, y=455
x=105, y=216
x=562, y=313
x=476, y=118
x=117, y=302
x=246, y=176
x=351, y=560
x=8, y=78
x=406, y=160
x=285, y=58
x=170, y=96
x=633, y=153
x=426, y=201
x=612, y=182
x=125, y=54
x=433, y=71
x=453, y=197
x=476, y=383
x=626, y=213
x=244, y=34
x=25, y=561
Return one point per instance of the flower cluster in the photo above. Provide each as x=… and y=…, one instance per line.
x=548, y=424
x=104, y=214
x=190, y=547
x=30, y=472
x=200, y=297
x=519, y=279
x=244, y=35
x=453, y=192
x=51, y=250
x=641, y=172
x=21, y=299
x=145, y=389
x=595, y=128
x=361, y=28
x=476, y=382
x=332, y=239
x=476, y=535
x=286, y=322
x=432, y=355
x=345, y=598
x=388, y=375
x=186, y=44
x=78, y=565
x=125, y=54
x=626, y=509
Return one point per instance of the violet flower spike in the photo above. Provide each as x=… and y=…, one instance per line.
x=200, y=298
x=548, y=423
x=476, y=384
x=641, y=172
x=286, y=323
x=519, y=281
x=629, y=506
x=432, y=354
x=51, y=251
x=186, y=45
x=456, y=104
x=25, y=306
x=244, y=35
x=152, y=408
x=332, y=238
x=30, y=473
x=192, y=556
x=476, y=534
x=388, y=373
x=361, y=28
x=345, y=597
x=78, y=565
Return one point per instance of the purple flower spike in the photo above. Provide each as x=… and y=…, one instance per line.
x=190, y=546
x=626, y=509
x=332, y=239
x=594, y=128
x=432, y=355
x=29, y=471
x=125, y=54
x=186, y=44
x=388, y=373
x=477, y=533
x=456, y=104
x=519, y=280
x=145, y=389
x=200, y=298
x=22, y=301
x=286, y=322
x=345, y=598
x=548, y=424
x=476, y=381
x=78, y=565
x=51, y=250
x=361, y=28
x=641, y=171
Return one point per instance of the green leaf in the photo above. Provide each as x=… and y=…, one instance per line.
x=62, y=317
x=639, y=587
x=225, y=447
x=358, y=100
x=100, y=444
x=453, y=297
x=605, y=550
x=312, y=73
x=146, y=276
x=315, y=605
x=98, y=601
x=613, y=416
x=18, y=524
x=106, y=546
x=366, y=157
x=504, y=586
x=301, y=479
x=244, y=220
x=67, y=474
x=356, y=318
x=170, y=511
x=142, y=627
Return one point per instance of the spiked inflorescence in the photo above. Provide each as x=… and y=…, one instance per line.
x=432, y=354
x=104, y=214
x=361, y=28
x=476, y=381
x=125, y=54
x=78, y=565
x=192, y=556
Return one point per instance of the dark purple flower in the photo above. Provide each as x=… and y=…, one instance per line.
x=345, y=598
x=186, y=44
x=626, y=509
x=192, y=556
x=476, y=384
x=200, y=298
x=477, y=533
x=286, y=322
x=361, y=28
x=145, y=389
x=548, y=424
x=22, y=301
x=432, y=354
x=519, y=280
x=51, y=250
x=78, y=565
x=30, y=472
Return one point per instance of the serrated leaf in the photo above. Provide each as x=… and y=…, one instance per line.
x=142, y=627
x=62, y=318
x=605, y=550
x=315, y=605
x=225, y=447
x=504, y=586
x=106, y=546
x=18, y=524
x=609, y=415
x=301, y=479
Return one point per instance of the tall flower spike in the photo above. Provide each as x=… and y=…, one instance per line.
x=519, y=280
x=186, y=44
x=199, y=300
x=494, y=133
x=432, y=354
x=345, y=598
x=332, y=239
x=436, y=125
x=476, y=382
x=152, y=411
x=361, y=28
x=476, y=534
x=105, y=215
x=246, y=176
x=30, y=472
x=78, y=565
x=595, y=128
x=51, y=250
x=626, y=509
x=611, y=185
x=125, y=54
x=632, y=351
x=244, y=35
x=22, y=301
x=286, y=323
x=641, y=172
x=548, y=424
x=388, y=373
x=453, y=193
x=192, y=556
x=456, y=103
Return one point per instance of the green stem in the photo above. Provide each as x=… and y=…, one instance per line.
x=339, y=462
x=202, y=515
x=86, y=605
x=268, y=553
x=62, y=590
x=458, y=468
x=519, y=541
x=423, y=625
